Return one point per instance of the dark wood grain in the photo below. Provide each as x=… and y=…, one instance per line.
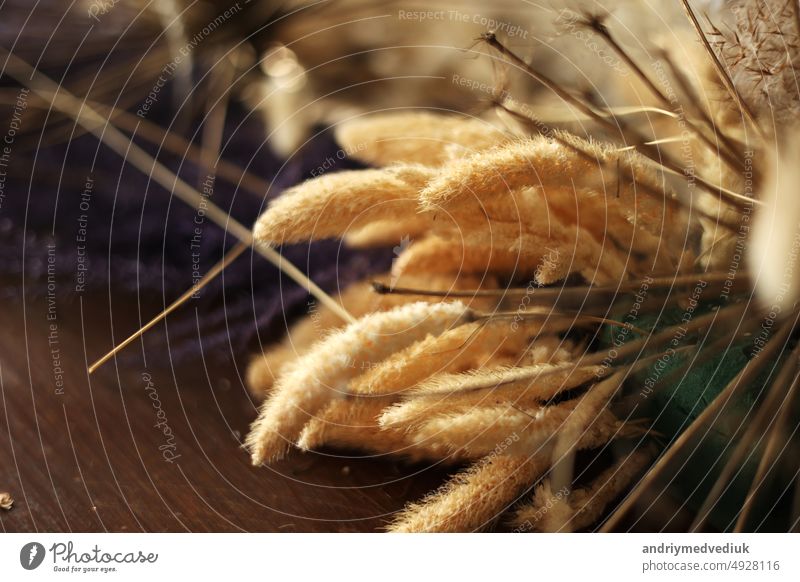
x=89, y=459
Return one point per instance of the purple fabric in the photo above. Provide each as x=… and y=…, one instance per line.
x=137, y=239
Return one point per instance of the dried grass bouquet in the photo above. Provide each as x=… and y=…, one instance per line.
x=594, y=281
x=553, y=280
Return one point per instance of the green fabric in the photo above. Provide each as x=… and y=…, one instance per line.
x=673, y=408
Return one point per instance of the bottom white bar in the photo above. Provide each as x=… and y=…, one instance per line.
x=386, y=558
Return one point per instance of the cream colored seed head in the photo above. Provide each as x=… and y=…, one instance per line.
x=415, y=137
x=333, y=204
x=324, y=373
x=474, y=498
x=479, y=401
x=496, y=172
x=457, y=349
x=477, y=432
x=382, y=233
x=584, y=421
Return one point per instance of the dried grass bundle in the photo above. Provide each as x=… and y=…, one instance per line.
x=437, y=254
x=448, y=396
x=468, y=347
x=555, y=248
x=541, y=162
x=455, y=348
x=323, y=373
x=339, y=416
x=412, y=403
x=607, y=215
x=353, y=423
x=383, y=233
x=423, y=378
x=479, y=431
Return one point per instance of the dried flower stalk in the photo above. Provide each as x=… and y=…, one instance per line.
x=333, y=204
x=382, y=233
x=474, y=498
x=323, y=373
x=436, y=254
x=476, y=432
x=353, y=414
x=583, y=420
x=535, y=211
x=416, y=137
x=455, y=349
x=542, y=380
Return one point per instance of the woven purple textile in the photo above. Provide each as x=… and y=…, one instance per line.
x=113, y=229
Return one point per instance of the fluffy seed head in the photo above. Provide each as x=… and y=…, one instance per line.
x=323, y=374
x=415, y=137
x=332, y=204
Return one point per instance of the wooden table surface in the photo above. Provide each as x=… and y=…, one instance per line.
x=92, y=458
